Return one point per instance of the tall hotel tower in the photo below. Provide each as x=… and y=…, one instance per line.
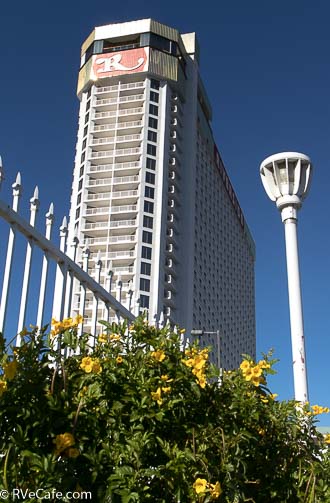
x=150, y=197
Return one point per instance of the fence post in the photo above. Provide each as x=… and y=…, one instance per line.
x=44, y=271
x=34, y=205
x=60, y=279
x=17, y=188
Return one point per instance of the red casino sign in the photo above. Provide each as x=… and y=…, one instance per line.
x=119, y=63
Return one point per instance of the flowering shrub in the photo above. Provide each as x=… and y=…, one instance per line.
x=131, y=417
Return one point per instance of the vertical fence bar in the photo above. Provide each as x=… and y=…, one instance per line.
x=98, y=267
x=119, y=289
x=137, y=307
x=60, y=279
x=17, y=186
x=70, y=278
x=34, y=205
x=44, y=271
x=85, y=256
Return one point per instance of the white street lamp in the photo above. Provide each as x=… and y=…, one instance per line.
x=286, y=178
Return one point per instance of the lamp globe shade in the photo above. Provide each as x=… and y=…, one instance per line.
x=286, y=178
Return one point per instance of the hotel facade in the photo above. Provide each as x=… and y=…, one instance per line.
x=151, y=199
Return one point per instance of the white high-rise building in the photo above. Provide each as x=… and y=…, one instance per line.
x=150, y=195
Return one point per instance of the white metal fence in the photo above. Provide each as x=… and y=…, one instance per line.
x=67, y=270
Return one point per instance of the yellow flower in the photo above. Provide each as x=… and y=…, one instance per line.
x=216, y=490
x=3, y=387
x=62, y=442
x=189, y=362
x=158, y=355
x=257, y=371
x=245, y=365
x=264, y=399
x=261, y=432
x=199, y=362
x=119, y=359
x=248, y=374
x=89, y=365
x=200, y=486
x=327, y=438
x=10, y=370
x=166, y=378
x=316, y=409
x=79, y=319
x=66, y=324
x=115, y=337
x=273, y=396
x=182, y=331
x=102, y=338
x=167, y=389
x=157, y=396
x=255, y=380
x=202, y=382
x=263, y=364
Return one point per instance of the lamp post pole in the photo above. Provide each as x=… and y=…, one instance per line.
x=286, y=178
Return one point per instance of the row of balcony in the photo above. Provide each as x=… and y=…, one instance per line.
x=119, y=99
x=106, y=196
x=114, y=209
x=113, y=255
x=122, y=111
x=120, y=151
x=112, y=224
x=131, y=85
x=114, y=166
x=115, y=194
x=100, y=182
x=118, y=139
x=115, y=126
x=110, y=239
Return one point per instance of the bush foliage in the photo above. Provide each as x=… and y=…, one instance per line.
x=131, y=417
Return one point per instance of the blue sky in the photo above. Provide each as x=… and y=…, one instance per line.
x=265, y=66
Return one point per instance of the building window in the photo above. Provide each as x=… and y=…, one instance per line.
x=89, y=104
x=80, y=185
x=150, y=177
x=146, y=252
x=79, y=199
x=151, y=149
x=149, y=192
x=87, y=116
x=86, y=129
x=83, y=155
x=152, y=123
x=84, y=143
x=154, y=84
x=147, y=222
x=145, y=284
x=148, y=207
x=152, y=136
x=154, y=96
x=144, y=301
x=145, y=267
x=147, y=237
x=81, y=172
x=77, y=213
x=151, y=163
x=153, y=109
